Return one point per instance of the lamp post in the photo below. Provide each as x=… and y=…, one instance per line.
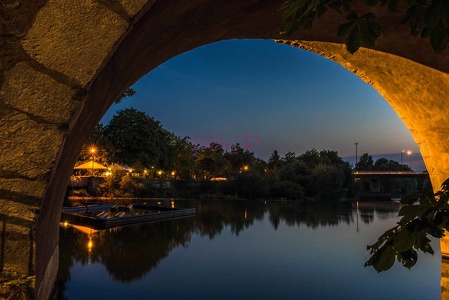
x=356, y=144
x=409, y=153
x=92, y=151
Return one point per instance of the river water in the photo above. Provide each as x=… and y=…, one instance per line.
x=244, y=250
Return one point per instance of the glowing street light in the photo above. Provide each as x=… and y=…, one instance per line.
x=92, y=151
x=245, y=168
x=409, y=153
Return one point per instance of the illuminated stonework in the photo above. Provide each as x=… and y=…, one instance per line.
x=64, y=62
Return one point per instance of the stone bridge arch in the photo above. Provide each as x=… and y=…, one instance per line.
x=64, y=62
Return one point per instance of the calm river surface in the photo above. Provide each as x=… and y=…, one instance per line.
x=244, y=250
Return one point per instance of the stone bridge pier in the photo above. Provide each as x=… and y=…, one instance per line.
x=63, y=63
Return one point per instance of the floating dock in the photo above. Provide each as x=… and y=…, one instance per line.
x=109, y=215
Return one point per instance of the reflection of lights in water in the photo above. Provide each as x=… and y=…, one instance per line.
x=89, y=245
x=246, y=214
x=357, y=213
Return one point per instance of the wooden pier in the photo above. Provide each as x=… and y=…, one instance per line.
x=109, y=215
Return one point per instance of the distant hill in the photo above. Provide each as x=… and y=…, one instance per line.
x=416, y=159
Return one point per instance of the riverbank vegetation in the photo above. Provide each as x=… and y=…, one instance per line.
x=146, y=160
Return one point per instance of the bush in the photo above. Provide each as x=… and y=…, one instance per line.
x=287, y=189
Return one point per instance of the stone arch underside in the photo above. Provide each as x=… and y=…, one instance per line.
x=63, y=63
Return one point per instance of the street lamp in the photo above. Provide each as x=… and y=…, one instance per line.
x=409, y=153
x=92, y=151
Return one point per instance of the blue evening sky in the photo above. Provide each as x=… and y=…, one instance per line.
x=268, y=96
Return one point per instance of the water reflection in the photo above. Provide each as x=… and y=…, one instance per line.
x=130, y=253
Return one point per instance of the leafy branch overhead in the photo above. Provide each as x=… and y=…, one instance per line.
x=428, y=218
x=427, y=19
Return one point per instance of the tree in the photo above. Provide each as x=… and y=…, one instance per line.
x=365, y=163
x=240, y=159
x=183, y=157
x=128, y=93
x=274, y=162
x=289, y=158
x=211, y=162
x=383, y=164
x=311, y=158
x=326, y=183
x=427, y=19
x=138, y=139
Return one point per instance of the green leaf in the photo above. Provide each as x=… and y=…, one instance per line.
x=384, y=258
x=408, y=258
x=352, y=16
x=375, y=29
x=345, y=28
x=354, y=40
x=433, y=13
x=423, y=242
x=410, y=211
x=369, y=17
x=445, y=185
x=404, y=240
x=425, y=33
x=368, y=39
x=439, y=38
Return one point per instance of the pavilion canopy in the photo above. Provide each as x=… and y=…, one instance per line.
x=91, y=165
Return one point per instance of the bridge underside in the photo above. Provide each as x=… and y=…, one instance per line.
x=64, y=63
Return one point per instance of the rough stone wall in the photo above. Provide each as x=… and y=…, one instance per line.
x=49, y=53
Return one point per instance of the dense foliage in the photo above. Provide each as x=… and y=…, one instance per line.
x=426, y=18
x=135, y=139
x=422, y=216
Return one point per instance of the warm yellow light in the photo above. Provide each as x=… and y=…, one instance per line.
x=173, y=173
x=159, y=172
x=90, y=245
x=173, y=204
x=409, y=152
x=92, y=150
x=245, y=168
x=66, y=224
